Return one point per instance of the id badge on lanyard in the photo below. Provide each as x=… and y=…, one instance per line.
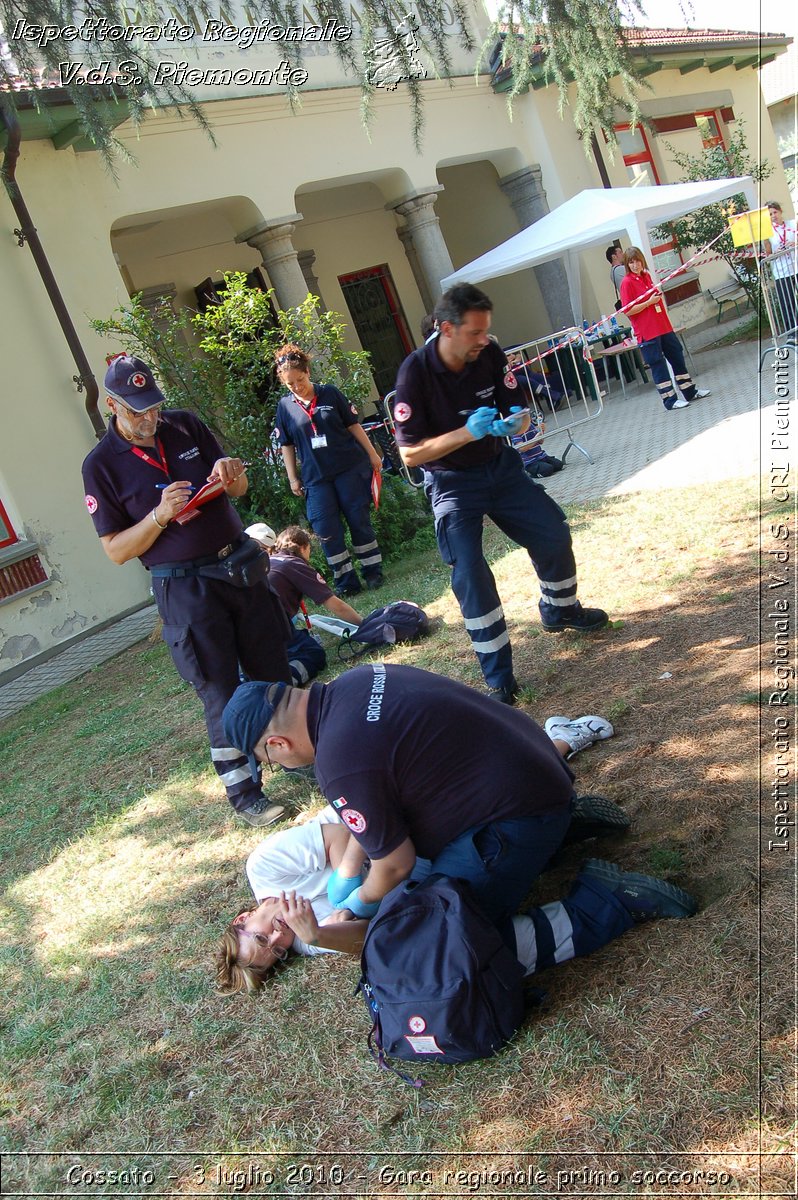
x=318, y=441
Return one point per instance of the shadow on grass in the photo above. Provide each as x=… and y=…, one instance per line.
x=117, y=1038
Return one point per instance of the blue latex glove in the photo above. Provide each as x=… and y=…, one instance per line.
x=360, y=908
x=479, y=423
x=508, y=426
x=339, y=887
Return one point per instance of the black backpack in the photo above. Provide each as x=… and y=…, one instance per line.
x=437, y=978
x=400, y=621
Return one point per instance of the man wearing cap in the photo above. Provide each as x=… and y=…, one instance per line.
x=416, y=764
x=215, y=612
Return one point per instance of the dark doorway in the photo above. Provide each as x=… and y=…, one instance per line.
x=379, y=320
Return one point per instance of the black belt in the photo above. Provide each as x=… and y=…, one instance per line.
x=183, y=570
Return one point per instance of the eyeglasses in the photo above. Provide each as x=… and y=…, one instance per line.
x=132, y=415
x=272, y=767
x=289, y=358
x=261, y=939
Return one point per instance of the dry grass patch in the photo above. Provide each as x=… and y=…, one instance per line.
x=122, y=864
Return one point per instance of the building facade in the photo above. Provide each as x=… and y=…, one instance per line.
x=307, y=201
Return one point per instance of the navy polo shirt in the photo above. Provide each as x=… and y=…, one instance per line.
x=293, y=579
x=332, y=417
x=404, y=753
x=121, y=488
x=430, y=400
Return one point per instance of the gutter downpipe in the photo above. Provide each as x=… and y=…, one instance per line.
x=27, y=233
x=597, y=155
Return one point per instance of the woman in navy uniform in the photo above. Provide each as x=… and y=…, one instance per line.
x=317, y=425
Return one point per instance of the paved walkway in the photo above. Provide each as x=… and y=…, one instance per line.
x=635, y=444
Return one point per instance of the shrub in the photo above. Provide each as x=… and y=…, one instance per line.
x=705, y=224
x=220, y=364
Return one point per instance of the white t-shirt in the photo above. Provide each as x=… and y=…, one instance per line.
x=295, y=860
x=784, y=238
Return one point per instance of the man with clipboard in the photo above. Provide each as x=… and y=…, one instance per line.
x=158, y=488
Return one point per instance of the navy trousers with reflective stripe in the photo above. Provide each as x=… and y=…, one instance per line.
x=306, y=657
x=210, y=627
x=347, y=495
x=655, y=351
x=524, y=512
x=588, y=918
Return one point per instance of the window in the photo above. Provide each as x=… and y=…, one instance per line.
x=7, y=534
x=637, y=155
x=639, y=162
x=21, y=569
x=710, y=130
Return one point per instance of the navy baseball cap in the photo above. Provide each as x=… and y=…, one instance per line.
x=131, y=381
x=247, y=714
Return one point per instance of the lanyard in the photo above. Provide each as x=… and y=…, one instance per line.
x=308, y=409
x=139, y=453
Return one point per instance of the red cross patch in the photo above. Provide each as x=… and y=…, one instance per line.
x=355, y=820
x=402, y=412
x=91, y=504
x=138, y=380
x=510, y=381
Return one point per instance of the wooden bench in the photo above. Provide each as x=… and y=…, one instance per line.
x=730, y=292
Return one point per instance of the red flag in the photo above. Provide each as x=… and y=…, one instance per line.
x=376, y=487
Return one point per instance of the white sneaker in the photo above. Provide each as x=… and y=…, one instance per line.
x=578, y=733
x=680, y=402
x=701, y=393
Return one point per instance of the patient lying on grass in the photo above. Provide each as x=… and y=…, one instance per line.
x=302, y=898
x=604, y=901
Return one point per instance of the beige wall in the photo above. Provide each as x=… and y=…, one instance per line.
x=46, y=433
x=475, y=215
x=349, y=229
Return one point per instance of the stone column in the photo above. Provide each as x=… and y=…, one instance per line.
x=524, y=189
x=406, y=238
x=159, y=302
x=272, y=240
x=423, y=241
x=307, y=258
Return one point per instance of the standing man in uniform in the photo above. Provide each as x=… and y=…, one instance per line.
x=456, y=403
x=137, y=479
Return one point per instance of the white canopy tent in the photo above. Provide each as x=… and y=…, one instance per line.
x=598, y=215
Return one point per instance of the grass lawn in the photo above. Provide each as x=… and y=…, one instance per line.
x=667, y=1051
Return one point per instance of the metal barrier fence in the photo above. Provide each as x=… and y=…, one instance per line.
x=777, y=275
x=559, y=375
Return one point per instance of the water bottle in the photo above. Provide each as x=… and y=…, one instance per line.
x=614, y=324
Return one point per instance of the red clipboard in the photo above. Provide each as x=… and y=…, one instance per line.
x=376, y=487
x=190, y=509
